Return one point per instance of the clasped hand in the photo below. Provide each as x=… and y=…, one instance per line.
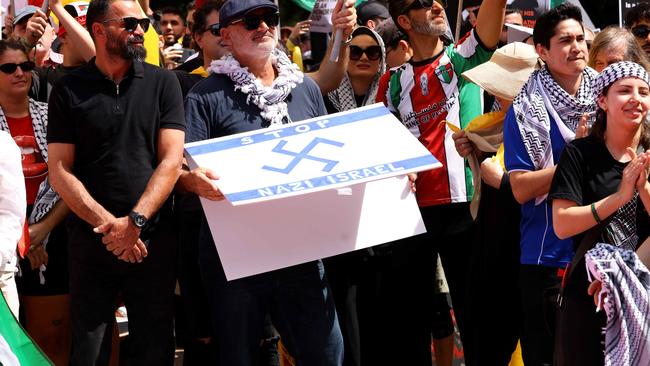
x=122, y=238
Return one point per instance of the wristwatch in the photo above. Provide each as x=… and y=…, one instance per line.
x=139, y=220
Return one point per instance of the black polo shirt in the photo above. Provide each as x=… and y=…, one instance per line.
x=114, y=128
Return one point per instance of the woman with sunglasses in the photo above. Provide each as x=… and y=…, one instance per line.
x=614, y=44
x=43, y=294
x=366, y=65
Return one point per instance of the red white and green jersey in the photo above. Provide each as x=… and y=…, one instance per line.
x=426, y=94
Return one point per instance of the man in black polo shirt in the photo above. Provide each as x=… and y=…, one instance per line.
x=116, y=131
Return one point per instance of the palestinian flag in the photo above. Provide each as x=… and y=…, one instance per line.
x=16, y=347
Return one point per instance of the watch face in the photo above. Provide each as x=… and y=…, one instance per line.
x=140, y=221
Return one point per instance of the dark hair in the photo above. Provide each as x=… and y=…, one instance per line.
x=200, y=16
x=396, y=8
x=173, y=10
x=97, y=11
x=545, y=25
x=636, y=14
x=12, y=44
x=600, y=126
x=614, y=36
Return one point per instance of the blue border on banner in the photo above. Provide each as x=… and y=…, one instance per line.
x=350, y=177
x=290, y=130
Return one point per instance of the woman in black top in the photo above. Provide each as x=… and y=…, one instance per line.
x=601, y=181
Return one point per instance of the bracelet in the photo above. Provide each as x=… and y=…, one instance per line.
x=595, y=213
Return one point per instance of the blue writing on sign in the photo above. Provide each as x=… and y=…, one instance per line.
x=304, y=154
x=349, y=177
x=264, y=135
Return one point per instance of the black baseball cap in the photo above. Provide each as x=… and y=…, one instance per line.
x=235, y=9
x=371, y=9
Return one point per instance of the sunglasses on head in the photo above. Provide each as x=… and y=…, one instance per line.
x=373, y=53
x=10, y=68
x=424, y=4
x=641, y=31
x=252, y=22
x=131, y=23
x=215, y=29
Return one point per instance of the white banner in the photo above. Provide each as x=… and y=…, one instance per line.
x=341, y=180
x=321, y=16
x=332, y=151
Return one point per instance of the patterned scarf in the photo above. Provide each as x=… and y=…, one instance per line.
x=626, y=288
x=542, y=98
x=269, y=99
x=46, y=197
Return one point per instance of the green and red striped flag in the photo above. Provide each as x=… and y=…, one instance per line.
x=16, y=347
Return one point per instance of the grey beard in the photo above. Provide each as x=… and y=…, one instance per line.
x=429, y=28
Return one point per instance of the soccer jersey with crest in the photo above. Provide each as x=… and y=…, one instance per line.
x=423, y=95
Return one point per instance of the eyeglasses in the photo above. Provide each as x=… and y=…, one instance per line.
x=373, y=53
x=10, y=68
x=641, y=31
x=131, y=23
x=215, y=29
x=423, y=4
x=253, y=22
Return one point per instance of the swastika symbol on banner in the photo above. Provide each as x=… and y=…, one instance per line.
x=304, y=154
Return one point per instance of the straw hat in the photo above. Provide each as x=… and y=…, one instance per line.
x=507, y=71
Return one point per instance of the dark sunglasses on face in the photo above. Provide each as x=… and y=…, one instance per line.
x=252, y=22
x=131, y=23
x=641, y=31
x=373, y=53
x=10, y=68
x=424, y=4
x=215, y=29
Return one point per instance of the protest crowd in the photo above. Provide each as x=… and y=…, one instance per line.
x=536, y=244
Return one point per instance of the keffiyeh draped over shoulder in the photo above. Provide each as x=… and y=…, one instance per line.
x=46, y=197
x=270, y=100
x=343, y=97
x=626, y=287
x=542, y=98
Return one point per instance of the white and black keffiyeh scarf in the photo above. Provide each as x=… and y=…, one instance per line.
x=626, y=290
x=542, y=98
x=619, y=70
x=46, y=197
x=271, y=100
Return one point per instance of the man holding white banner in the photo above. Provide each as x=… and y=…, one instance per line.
x=256, y=86
x=424, y=93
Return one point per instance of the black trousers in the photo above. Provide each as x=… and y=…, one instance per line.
x=97, y=277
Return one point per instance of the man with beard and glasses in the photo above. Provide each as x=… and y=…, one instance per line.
x=424, y=93
x=544, y=117
x=254, y=87
x=115, y=134
x=637, y=20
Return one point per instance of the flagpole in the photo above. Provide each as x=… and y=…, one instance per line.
x=459, y=19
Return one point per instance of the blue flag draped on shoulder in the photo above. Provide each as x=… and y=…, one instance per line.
x=16, y=347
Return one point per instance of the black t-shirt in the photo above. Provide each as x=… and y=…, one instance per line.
x=114, y=128
x=186, y=80
x=587, y=173
x=214, y=109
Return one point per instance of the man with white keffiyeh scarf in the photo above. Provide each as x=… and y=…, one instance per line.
x=551, y=110
x=253, y=87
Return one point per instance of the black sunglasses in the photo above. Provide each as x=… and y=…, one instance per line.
x=215, y=29
x=10, y=68
x=131, y=23
x=253, y=22
x=423, y=4
x=641, y=31
x=373, y=53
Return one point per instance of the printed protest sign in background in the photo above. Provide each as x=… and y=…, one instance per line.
x=321, y=16
x=624, y=6
x=313, y=189
x=333, y=151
